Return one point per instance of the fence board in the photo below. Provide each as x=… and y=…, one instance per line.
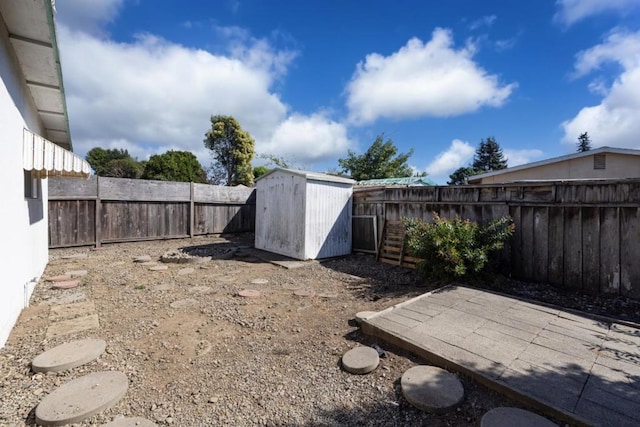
x=541, y=244
x=572, y=248
x=591, y=250
x=630, y=252
x=556, y=246
x=609, y=251
x=527, y=243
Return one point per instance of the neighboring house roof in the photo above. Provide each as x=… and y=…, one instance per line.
x=602, y=150
x=412, y=181
x=32, y=34
x=315, y=176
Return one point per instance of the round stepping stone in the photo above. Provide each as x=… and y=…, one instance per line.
x=363, y=315
x=291, y=287
x=143, y=258
x=131, y=422
x=159, y=268
x=148, y=263
x=164, y=287
x=81, y=398
x=183, y=303
x=259, y=281
x=66, y=285
x=360, y=360
x=68, y=355
x=77, y=273
x=508, y=417
x=59, y=278
x=304, y=293
x=249, y=293
x=201, y=290
x=431, y=389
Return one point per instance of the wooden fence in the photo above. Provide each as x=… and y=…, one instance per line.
x=107, y=210
x=576, y=235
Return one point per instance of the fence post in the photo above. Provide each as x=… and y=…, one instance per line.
x=98, y=208
x=191, y=209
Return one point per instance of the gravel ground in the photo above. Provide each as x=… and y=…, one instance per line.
x=198, y=354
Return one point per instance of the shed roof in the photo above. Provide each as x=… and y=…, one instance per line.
x=601, y=150
x=32, y=34
x=313, y=176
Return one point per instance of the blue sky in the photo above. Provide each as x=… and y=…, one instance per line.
x=311, y=80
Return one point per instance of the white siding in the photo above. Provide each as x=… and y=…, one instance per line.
x=23, y=223
x=328, y=220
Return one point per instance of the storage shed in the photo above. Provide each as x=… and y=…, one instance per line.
x=303, y=215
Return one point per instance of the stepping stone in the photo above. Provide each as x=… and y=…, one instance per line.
x=75, y=256
x=68, y=356
x=148, y=263
x=249, y=293
x=328, y=296
x=509, y=417
x=185, y=271
x=73, y=326
x=184, y=303
x=70, y=311
x=259, y=281
x=131, y=422
x=432, y=389
x=164, y=287
x=159, y=268
x=200, y=290
x=143, y=258
x=304, y=293
x=77, y=273
x=361, y=315
x=59, y=278
x=67, y=299
x=360, y=360
x=291, y=287
x=68, y=284
x=81, y=398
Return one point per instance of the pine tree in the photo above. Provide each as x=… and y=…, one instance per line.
x=584, y=142
x=489, y=156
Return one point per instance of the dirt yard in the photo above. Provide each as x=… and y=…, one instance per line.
x=198, y=354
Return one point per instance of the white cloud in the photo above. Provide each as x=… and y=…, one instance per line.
x=457, y=155
x=88, y=16
x=521, y=157
x=422, y=79
x=152, y=95
x=613, y=122
x=485, y=21
x=572, y=11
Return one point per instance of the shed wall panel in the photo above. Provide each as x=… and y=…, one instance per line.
x=327, y=220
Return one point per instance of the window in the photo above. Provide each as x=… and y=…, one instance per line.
x=599, y=161
x=31, y=185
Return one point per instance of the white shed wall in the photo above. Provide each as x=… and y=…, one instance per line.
x=280, y=208
x=23, y=223
x=328, y=219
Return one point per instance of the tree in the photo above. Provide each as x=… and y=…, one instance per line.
x=584, y=143
x=461, y=175
x=232, y=149
x=379, y=161
x=113, y=162
x=489, y=156
x=181, y=166
x=258, y=171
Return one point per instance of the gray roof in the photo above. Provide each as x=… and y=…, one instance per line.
x=601, y=150
x=314, y=176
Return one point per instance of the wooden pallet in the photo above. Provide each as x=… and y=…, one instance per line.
x=392, y=248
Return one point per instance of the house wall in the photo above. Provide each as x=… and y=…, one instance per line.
x=617, y=166
x=280, y=214
x=23, y=223
x=328, y=220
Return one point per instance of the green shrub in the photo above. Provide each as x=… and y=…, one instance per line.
x=455, y=248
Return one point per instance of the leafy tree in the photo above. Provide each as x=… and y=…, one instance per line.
x=461, y=175
x=280, y=162
x=258, y=171
x=181, y=166
x=232, y=149
x=381, y=160
x=489, y=156
x=100, y=160
x=584, y=143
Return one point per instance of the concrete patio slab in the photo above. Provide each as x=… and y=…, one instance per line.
x=575, y=368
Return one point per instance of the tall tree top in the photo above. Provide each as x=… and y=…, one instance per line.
x=584, y=142
x=379, y=161
x=232, y=149
x=489, y=156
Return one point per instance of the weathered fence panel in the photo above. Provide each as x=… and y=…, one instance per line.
x=575, y=235
x=106, y=210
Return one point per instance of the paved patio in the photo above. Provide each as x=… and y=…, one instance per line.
x=572, y=367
